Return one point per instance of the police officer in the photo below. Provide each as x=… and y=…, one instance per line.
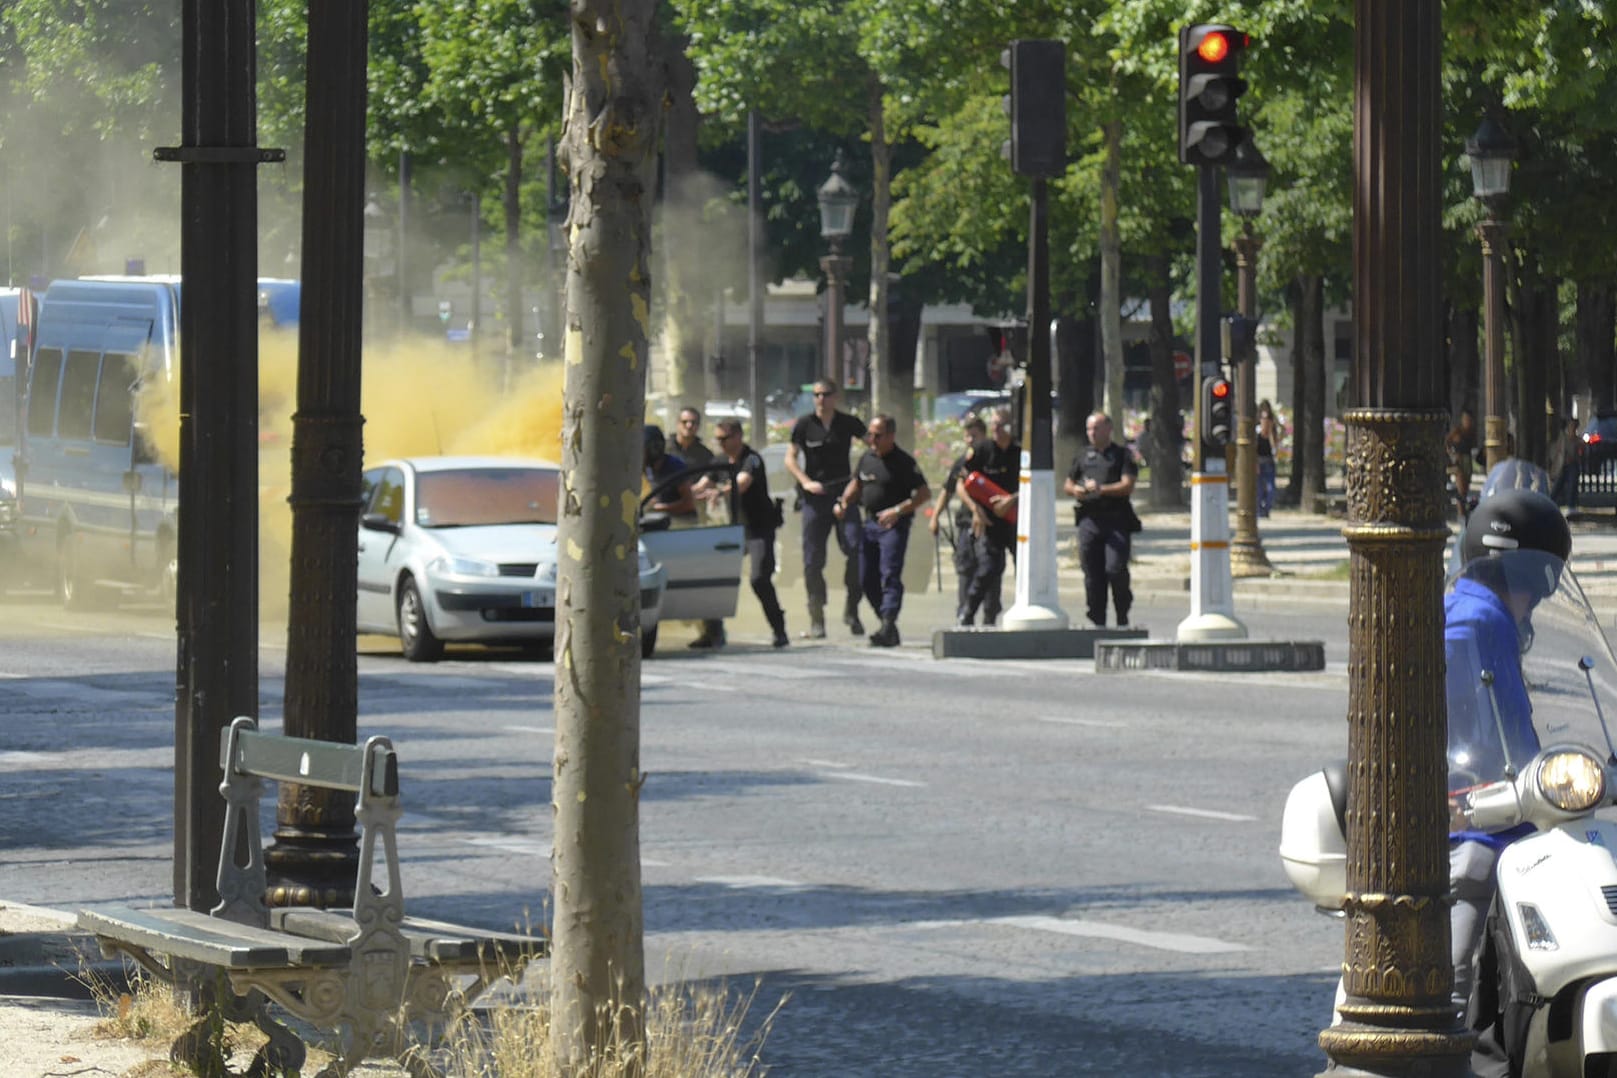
x=1102, y=479
x=999, y=460
x=678, y=500
x=965, y=550
x=758, y=514
x=889, y=486
x=817, y=457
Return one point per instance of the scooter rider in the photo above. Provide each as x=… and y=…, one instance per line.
x=1514, y=548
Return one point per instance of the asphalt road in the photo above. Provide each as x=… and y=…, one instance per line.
x=952, y=868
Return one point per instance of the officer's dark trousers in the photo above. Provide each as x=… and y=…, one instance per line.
x=987, y=571
x=1103, y=551
x=882, y=559
x=965, y=566
x=761, y=559
x=819, y=523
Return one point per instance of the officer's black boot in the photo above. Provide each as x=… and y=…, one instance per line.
x=850, y=618
x=816, y=629
x=886, y=636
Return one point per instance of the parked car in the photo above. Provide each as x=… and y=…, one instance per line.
x=1597, y=475
x=464, y=549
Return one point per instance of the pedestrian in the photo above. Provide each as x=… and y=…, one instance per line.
x=993, y=528
x=688, y=439
x=1102, y=479
x=889, y=487
x=1565, y=463
x=1461, y=443
x=760, y=516
x=817, y=457
x=965, y=554
x=688, y=444
x=1268, y=445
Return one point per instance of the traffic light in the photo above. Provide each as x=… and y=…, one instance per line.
x=1209, y=86
x=1216, y=422
x=1240, y=338
x=1037, y=106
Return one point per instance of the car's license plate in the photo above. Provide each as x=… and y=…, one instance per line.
x=536, y=598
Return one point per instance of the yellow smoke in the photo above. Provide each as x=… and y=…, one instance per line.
x=419, y=397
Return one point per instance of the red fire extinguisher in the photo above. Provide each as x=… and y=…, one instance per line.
x=984, y=490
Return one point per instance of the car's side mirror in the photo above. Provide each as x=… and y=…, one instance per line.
x=654, y=520
x=378, y=522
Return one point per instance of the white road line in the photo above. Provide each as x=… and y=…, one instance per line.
x=512, y=845
x=854, y=776
x=1206, y=814
x=1162, y=941
x=1105, y=723
x=752, y=883
x=529, y=729
x=830, y=764
x=4, y=673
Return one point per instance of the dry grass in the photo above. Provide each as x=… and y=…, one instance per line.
x=692, y=1031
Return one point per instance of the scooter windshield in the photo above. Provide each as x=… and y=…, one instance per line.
x=1528, y=666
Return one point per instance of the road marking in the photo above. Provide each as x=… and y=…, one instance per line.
x=854, y=776
x=1080, y=722
x=4, y=673
x=530, y=729
x=1206, y=814
x=831, y=764
x=1162, y=941
x=512, y=845
x=752, y=883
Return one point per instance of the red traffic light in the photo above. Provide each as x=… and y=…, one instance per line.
x=1214, y=47
x=1220, y=389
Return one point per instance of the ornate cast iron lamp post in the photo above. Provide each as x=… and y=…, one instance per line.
x=1248, y=178
x=1491, y=151
x=838, y=199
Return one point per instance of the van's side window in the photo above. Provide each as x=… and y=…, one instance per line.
x=114, y=400
x=73, y=419
x=42, y=392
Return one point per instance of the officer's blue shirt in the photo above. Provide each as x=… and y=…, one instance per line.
x=1479, y=633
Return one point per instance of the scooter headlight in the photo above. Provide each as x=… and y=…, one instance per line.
x=1572, y=781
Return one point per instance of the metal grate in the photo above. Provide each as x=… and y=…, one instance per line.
x=1610, y=894
x=518, y=568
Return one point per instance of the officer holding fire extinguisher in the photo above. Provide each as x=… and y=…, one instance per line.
x=990, y=480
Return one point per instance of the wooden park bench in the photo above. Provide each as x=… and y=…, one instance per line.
x=366, y=973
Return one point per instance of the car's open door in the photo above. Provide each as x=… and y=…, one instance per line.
x=701, y=552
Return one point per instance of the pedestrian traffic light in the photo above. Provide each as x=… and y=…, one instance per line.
x=1037, y=106
x=1209, y=86
x=1216, y=423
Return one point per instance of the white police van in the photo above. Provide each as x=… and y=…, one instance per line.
x=16, y=317
x=97, y=508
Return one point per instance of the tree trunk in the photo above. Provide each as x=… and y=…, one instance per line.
x=686, y=302
x=1111, y=273
x=1597, y=355
x=904, y=335
x=1296, y=296
x=1310, y=439
x=1167, y=424
x=597, y=962
x=515, y=349
x=1533, y=315
x=884, y=394
x=1464, y=361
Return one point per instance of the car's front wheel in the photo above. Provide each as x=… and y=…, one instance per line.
x=416, y=638
x=648, y=642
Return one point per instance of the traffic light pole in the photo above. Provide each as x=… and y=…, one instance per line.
x=1037, y=606
x=1212, y=598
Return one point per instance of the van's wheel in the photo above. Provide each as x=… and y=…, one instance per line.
x=648, y=642
x=416, y=638
x=75, y=592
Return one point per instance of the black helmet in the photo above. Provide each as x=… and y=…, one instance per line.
x=1519, y=519
x=655, y=442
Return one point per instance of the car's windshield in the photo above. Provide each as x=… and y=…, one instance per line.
x=1517, y=630
x=469, y=497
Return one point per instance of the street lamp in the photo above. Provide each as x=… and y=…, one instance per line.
x=838, y=199
x=1248, y=177
x=1491, y=151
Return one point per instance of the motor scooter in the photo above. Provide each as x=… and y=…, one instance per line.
x=1554, y=919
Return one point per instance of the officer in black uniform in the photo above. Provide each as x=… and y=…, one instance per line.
x=999, y=460
x=817, y=457
x=889, y=486
x=1102, y=479
x=965, y=548
x=759, y=515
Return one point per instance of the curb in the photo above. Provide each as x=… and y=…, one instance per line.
x=47, y=956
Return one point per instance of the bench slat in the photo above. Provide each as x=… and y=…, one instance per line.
x=432, y=941
x=198, y=937
x=303, y=760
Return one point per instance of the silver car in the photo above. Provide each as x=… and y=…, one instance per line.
x=464, y=549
